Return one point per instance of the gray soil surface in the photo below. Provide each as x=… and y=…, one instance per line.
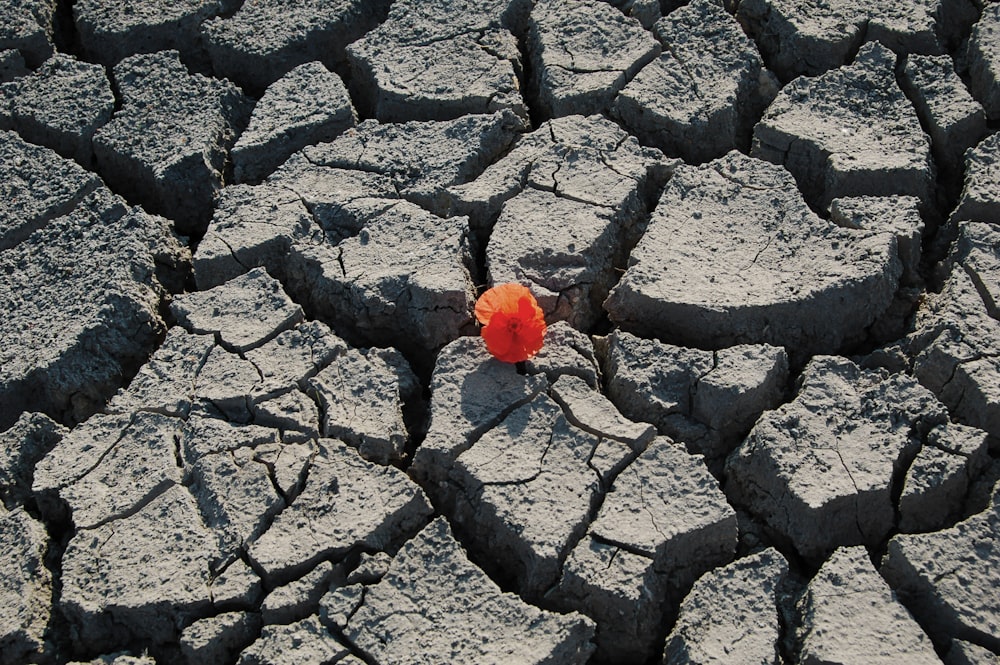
x=247, y=416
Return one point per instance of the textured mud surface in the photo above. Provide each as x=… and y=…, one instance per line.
x=246, y=415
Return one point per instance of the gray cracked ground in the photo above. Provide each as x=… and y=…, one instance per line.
x=246, y=415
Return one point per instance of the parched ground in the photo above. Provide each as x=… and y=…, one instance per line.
x=246, y=416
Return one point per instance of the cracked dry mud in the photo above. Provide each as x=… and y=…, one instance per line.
x=246, y=416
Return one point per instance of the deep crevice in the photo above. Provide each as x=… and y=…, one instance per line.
x=64, y=33
x=529, y=80
x=787, y=594
x=631, y=231
x=57, y=632
x=947, y=182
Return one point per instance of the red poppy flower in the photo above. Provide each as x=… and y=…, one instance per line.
x=513, y=323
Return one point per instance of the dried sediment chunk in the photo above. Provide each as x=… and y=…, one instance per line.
x=137, y=466
x=904, y=28
x=36, y=187
x=94, y=277
x=298, y=599
x=279, y=383
x=663, y=523
x=977, y=251
x=338, y=198
x=235, y=495
x=922, y=26
x=733, y=255
x=566, y=351
x=620, y=590
x=701, y=98
x=207, y=436
x=563, y=206
x=21, y=447
x=845, y=589
x=437, y=60
x=300, y=203
x=471, y=393
x=651, y=381
x=647, y=12
x=403, y=281
x=565, y=249
x=938, y=481
x=480, y=410
x=582, y=53
x=591, y=411
x=983, y=60
x=801, y=39
x=821, y=469
x=140, y=576
x=651, y=511
x=738, y=601
x=305, y=641
x=28, y=28
x=707, y=400
x=60, y=106
x=439, y=80
x=266, y=39
x=166, y=383
x=524, y=492
x=362, y=395
x=192, y=374
x=288, y=463
x=25, y=589
x=243, y=313
x=296, y=355
x=73, y=457
x=811, y=38
x=251, y=227
x=422, y=610
x=955, y=120
x=119, y=464
x=224, y=385
x=423, y=159
x=422, y=282
x=898, y=215
x=111, y=30
x=820, y=129
x=589, y=160
x=11, y=65
x=166, y=147
x=980, y=200
x=293, y=412
x=967, y=653
x=521, y=462
x=218, y=639
x=346, y=503
x=307, y=105
x=953, y=344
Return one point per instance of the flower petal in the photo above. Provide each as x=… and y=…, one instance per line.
x=531, y=337
x=499, y=341
x=502, y=298
x=529, y=311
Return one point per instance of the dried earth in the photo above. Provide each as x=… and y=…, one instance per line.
x=246, y=416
